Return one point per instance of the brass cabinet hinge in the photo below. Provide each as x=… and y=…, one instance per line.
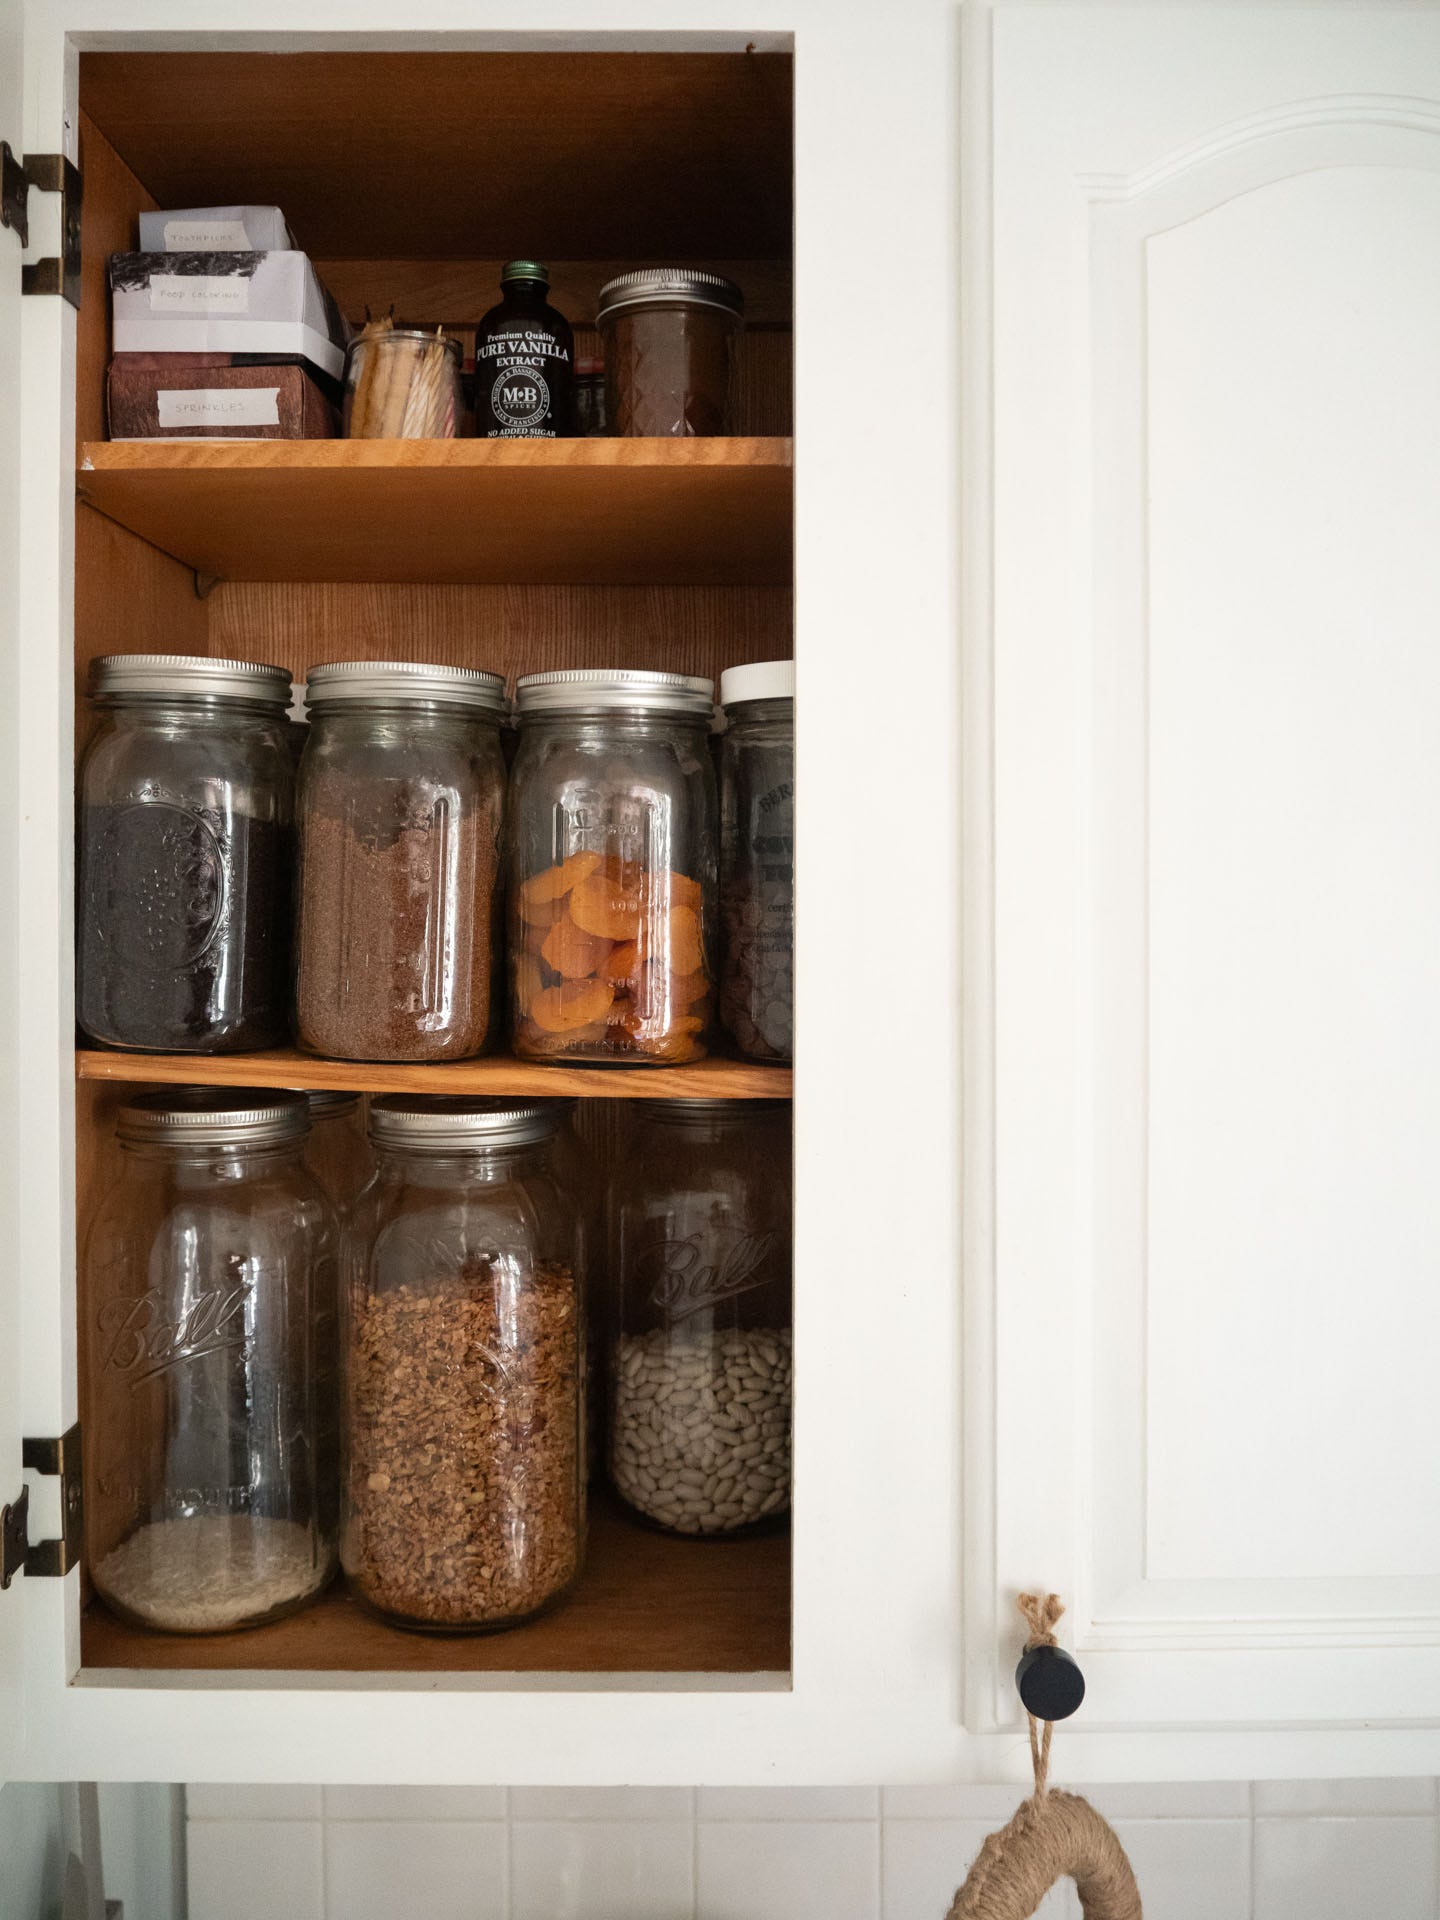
x=53, y=173
x=46, y=1559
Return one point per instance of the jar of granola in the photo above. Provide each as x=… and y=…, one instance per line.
x=700, y=1357
x=612, y=868
x=464, y=1499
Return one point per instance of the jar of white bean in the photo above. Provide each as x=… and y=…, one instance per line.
x=701, y=1354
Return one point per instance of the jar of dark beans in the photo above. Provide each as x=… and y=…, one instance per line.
x=669, y=339
x=183, y=856
x=757, y=858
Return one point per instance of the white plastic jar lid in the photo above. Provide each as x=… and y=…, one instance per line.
x=765, y=680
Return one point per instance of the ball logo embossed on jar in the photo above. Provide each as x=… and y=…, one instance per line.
x=168, y=856
x=520, y=397
x=683, y=1282
x=143, y=1337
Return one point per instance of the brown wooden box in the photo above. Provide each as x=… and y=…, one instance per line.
x=205, y=396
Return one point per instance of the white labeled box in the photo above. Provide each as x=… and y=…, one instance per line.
x=215, y=230
x=265, y=303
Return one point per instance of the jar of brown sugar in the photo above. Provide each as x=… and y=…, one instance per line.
x=401, y=789
x=669, y=337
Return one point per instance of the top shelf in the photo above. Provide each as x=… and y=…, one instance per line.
x=701, y=512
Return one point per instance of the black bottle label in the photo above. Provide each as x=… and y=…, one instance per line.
x=522, y=384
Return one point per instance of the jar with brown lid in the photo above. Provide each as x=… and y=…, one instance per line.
x=669, y=336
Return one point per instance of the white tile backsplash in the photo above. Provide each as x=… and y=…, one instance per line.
x=413, y=1870
x=244, y=1868
x=788, y=1870
x=603, y=1870
x=1282, y=1850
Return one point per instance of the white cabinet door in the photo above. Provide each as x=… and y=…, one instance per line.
x=12, y=131
x=1211, y=1278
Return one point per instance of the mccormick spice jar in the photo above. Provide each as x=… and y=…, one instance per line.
x=183, y=855
x=700, y=1361
x=669, y=339
x=524, y=361
x=401, y=790
x=209, y=1278
x=757, y=858
x=464, y=1499
x=612, y=868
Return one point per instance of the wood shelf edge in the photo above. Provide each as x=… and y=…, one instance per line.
x=499, y=1074
x=291, y=456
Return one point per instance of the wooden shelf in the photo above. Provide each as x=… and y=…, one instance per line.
x=714, y=512
x=646, y=1603
x=286, y=1067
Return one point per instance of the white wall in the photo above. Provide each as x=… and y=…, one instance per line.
x=32, y=1854
x=1277, y=1851
x=142, y=1838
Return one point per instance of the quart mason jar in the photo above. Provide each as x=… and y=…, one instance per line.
x=183, y=856
x=210, y=1443
x=700, y=1361
x=612, y=868
x=757, y=858
x=338, y=1153
x=402, y=788
x=464, y=1499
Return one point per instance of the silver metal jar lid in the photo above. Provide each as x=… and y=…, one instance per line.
x=578, y=689
x=385, y=681
x=330, y=1103
x=670, y=287
x=191, y=674
x=708, y=1109
x=449, y=1123
x=215, y=1117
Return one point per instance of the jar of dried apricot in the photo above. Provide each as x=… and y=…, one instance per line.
x=612, y=868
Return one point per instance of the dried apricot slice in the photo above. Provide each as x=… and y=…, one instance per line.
x=570, y=951
x=678, y=1042
x=543, y=889
x=606, y=908
x=574, y=1003
x=686, y=953
x=684, y=892
x=622, y=964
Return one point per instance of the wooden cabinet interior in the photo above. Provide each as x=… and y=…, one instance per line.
x=409, y=177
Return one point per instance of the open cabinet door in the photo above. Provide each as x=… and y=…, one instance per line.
x=10, y=918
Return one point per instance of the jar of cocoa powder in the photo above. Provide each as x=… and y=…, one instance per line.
x=401, y=791
x=463, y=1335
x=669, y=337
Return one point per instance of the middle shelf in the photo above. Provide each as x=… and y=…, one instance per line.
x=597, y=512
x=497, y=1074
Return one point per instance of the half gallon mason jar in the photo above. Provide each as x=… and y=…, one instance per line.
x=700, y=1360
x=757, y=858
x=612, y=868
x=183, y=855
x=210, y=1440
x=402, y=785
x=464, y=1501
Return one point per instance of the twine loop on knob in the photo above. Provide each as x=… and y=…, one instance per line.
x=1042, y=1614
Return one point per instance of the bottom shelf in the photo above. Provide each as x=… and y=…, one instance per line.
x=646, y=1603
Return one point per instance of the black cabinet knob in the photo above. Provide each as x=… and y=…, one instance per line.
x=1051, y=1684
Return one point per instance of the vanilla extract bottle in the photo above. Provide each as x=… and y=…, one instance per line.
x=524, y=361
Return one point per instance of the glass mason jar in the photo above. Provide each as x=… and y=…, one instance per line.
x=402, y=787
x=612, y=868
x=757, y=858
x=210, y=1440
x=464, y=1501
x=401, y=384
x=338, y=1153
x=700, y=1360
x=669, y=339
x=183, y=856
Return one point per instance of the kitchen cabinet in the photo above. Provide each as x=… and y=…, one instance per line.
x=1042, y=637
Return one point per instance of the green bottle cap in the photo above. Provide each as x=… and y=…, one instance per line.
x=525, y=270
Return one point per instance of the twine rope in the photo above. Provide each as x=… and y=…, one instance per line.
x=1052, y=1834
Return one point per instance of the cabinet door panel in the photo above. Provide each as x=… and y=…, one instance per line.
x=1217, y=931
x=11, y=72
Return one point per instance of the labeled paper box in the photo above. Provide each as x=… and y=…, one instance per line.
x=270, y=303
x=204, y=397
x=216, y=230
